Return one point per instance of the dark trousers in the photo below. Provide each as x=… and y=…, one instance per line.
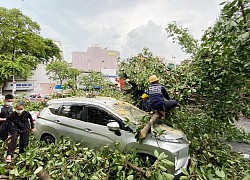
x=4, y=130
x=23, y=142
x=165, y=106
x=168, y=105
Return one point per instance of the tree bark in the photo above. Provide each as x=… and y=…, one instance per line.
x=4, y=177
x=40, y=172
x=157, y=115
x=134, y=167
x=242, y=8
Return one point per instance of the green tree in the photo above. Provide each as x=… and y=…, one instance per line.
x=94, y=79
x=179, y=81
x=58, y=70
x=21, y=46
x=72, y=81
x=183, y=37
x=138, y=69
x=221, y=62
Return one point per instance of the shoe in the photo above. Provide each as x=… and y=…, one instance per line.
x=8, y=159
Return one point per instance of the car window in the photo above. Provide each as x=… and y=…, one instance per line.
x=72, y=111
x=98, y=116
x=55, y=109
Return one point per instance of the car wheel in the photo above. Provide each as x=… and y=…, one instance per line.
x=48, y=139
x=144, y=158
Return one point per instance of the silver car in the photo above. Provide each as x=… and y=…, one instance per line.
x=100, y=121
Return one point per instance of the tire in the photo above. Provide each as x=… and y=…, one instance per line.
x=150, y=158
x=48, y=139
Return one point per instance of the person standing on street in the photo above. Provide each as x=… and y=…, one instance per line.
x=20, y=122
x=157, y=93
x=5, y=111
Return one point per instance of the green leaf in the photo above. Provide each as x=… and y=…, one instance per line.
x=247, y=177
x=162, y=168
x=119, y=168
x=156, y=153
x=162, y=156
x=167, y=163
x=184, y=171
x=168, y=176
x=130, y=177
x=244, y=36
x=220, y=174
x=14, y=172
x=183, y=178
x=160, y=176
x=94, y=177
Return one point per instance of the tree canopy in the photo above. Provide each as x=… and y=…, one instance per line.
x=221, y=63
x=58, y=70
x=21, y=46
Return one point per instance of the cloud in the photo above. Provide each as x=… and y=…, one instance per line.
x=154, y=37
x=127, y=26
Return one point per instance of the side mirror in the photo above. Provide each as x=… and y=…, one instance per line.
x=113, y=126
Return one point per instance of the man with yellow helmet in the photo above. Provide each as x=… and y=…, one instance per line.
x=145, y=103
x=157, y=93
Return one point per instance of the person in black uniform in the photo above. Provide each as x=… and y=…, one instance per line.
x=157, y=93
x=20, y=122
x=5, y=110
x=145, y=103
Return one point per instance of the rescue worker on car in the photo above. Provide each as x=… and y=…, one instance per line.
x=145, y=103
x=157, y=93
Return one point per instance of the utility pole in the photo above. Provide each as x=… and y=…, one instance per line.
x=13, y=77
x=14, y=85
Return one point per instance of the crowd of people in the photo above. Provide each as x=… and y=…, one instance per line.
x=15, y=124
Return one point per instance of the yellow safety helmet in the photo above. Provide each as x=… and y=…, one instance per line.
x=153, y=78
x=144, y=96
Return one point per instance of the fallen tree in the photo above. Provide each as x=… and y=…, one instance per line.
x=144, y=131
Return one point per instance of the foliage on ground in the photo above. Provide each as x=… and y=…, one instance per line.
x=211, y=156
x=68, y=160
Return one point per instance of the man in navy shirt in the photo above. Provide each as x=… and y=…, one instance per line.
x=157, y=94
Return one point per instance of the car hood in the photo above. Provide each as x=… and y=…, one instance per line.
x=168, y=132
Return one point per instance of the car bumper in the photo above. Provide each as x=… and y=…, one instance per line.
x=179, y=173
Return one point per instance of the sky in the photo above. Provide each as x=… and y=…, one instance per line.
x=124, y=25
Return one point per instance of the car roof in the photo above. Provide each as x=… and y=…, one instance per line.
x=105, y=101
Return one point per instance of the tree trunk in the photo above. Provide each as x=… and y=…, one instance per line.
x=157, y=115
x=4, y=177
x=40, y=172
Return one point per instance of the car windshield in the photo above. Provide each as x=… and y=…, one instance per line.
x=128, y=111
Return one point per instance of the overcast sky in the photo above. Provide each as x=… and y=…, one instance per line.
x=123, y=25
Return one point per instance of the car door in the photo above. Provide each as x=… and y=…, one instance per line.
x=98, y=134
x=70, y=122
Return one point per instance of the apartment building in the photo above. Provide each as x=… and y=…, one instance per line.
x=95, y=59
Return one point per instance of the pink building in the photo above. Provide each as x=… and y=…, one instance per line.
x=95, y=59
